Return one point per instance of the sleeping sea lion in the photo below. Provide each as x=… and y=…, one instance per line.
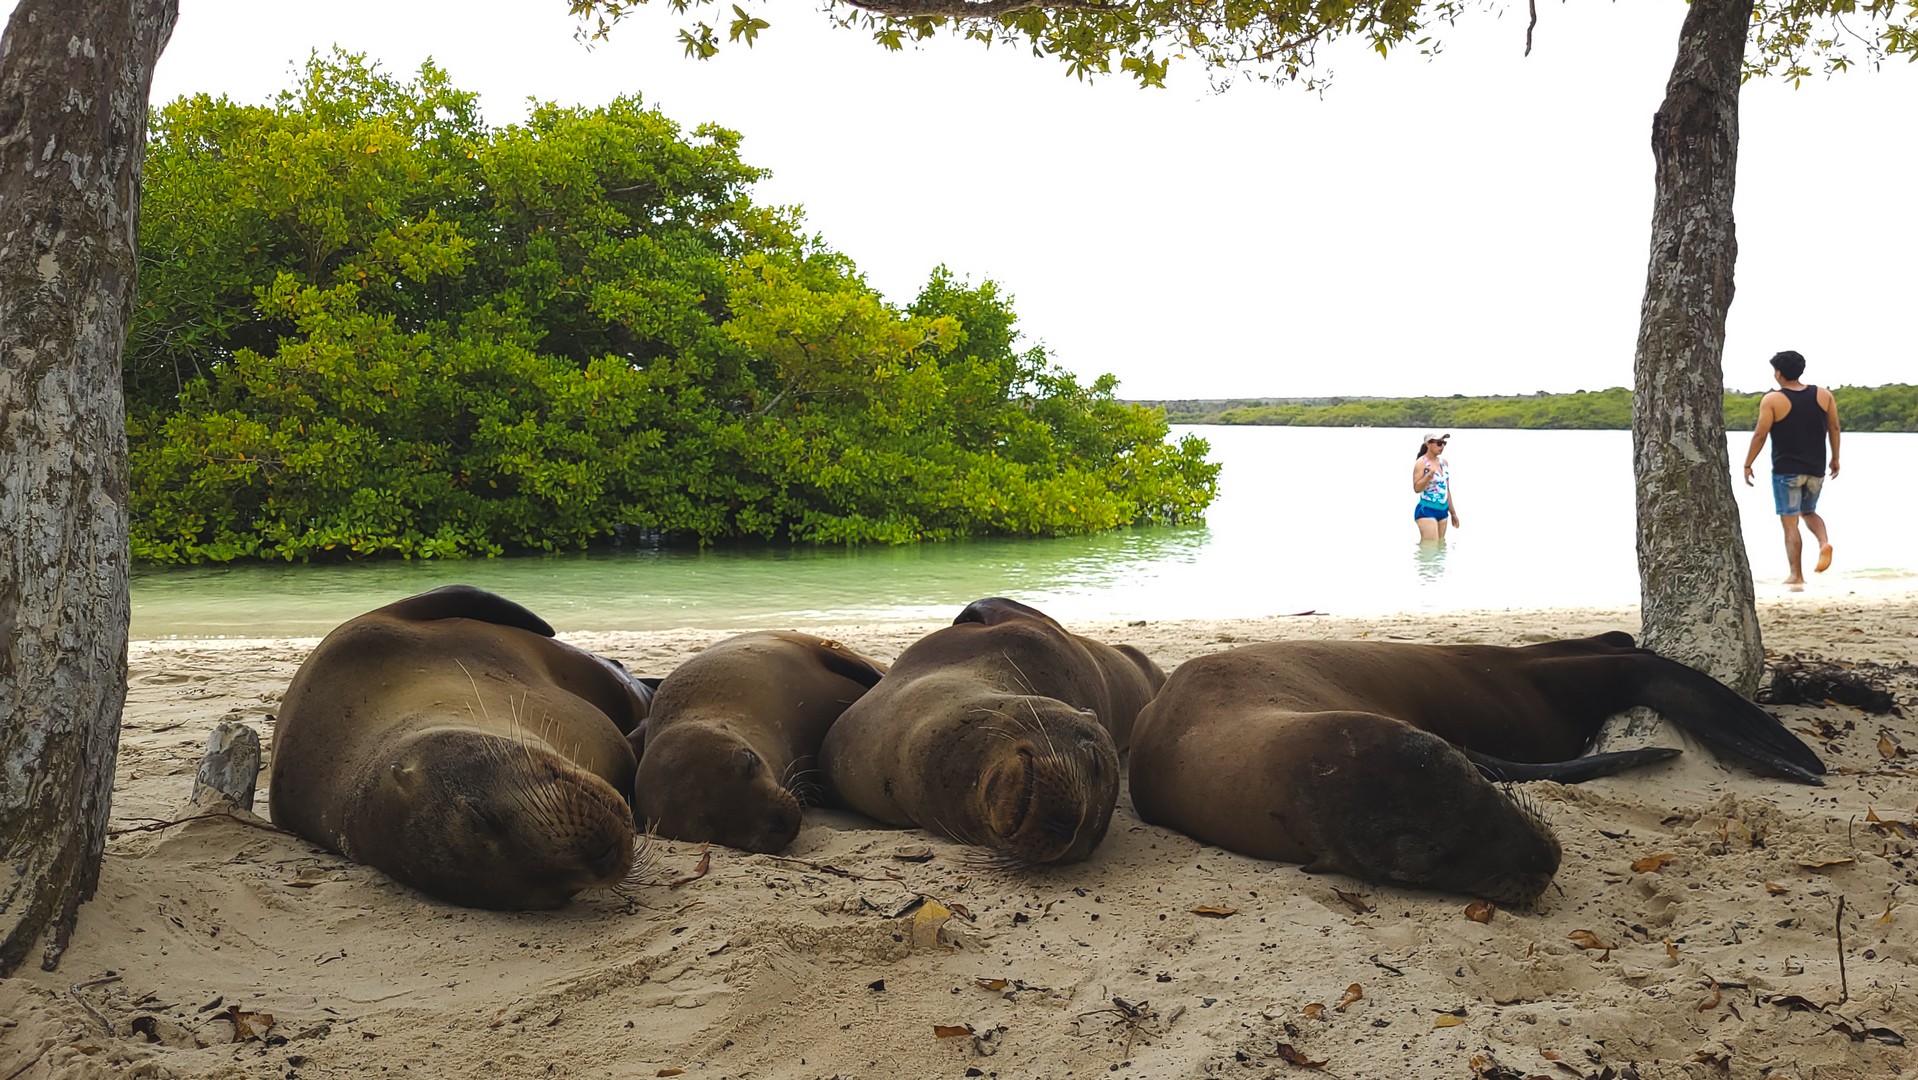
x=448, y=740
x=1001, y=730
x=1352, y=756
x=733, y=737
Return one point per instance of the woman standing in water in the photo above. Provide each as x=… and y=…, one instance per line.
x=1432, y=480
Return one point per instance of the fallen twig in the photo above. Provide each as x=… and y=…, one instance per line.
x=156, y=824
x=74, y=992
x=826, y=868
x=31, y=1062
x=1844, y=987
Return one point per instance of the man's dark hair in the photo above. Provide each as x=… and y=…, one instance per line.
x=1789, y=364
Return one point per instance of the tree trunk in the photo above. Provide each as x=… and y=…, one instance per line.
x=74, y=78
x=1694, y=580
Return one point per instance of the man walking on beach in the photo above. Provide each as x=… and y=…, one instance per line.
x=1798, y=418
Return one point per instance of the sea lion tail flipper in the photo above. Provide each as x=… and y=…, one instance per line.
x=467, y=602
x=1576, y=771
x=1724, y=720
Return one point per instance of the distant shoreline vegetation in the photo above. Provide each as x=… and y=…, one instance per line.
x=370, y=324
x=1892, y=407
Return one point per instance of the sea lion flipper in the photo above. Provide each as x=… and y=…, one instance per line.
x=994, y=610
x=467, y=602
x=1723, y=719
x=635, y=695
x=849, y=665
x=1576, y=771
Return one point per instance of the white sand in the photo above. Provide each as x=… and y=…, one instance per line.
x=802, y=966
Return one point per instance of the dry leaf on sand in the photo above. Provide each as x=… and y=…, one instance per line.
x=1293, y=1055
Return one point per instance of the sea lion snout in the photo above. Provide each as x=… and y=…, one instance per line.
x=731, y=745
x=491, y=822
x=1434, y=822
x=1002, y=730
x=706, y=784
x=1049, y=783
x=449, y=740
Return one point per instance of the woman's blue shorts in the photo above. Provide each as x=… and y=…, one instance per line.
x=1424, y=511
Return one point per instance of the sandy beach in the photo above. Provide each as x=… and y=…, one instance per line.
x=1694, y=929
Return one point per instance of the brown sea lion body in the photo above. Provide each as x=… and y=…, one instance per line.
x=1002, y=730
x=1352, y=756
x=733, y=737
x=448, y=740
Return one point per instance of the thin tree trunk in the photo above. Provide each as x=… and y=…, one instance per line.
x=1694, y=580
x=74, y=78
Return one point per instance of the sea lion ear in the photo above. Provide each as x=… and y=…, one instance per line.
x=405, y=776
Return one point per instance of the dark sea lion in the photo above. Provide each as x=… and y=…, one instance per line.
x=733, y=737
x=1352, y=756
x=1002, y=730
x=448, y=740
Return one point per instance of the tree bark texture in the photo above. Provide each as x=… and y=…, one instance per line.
x=1694, y=580
x=74, y=79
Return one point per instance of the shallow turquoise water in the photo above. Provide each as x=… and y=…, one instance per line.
x=1307, y=519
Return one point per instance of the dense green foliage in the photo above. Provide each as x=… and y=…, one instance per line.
x=1267, y=40
x=371, y=324
x=1860, y=408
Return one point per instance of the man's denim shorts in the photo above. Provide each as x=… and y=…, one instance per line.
x=1795, y=493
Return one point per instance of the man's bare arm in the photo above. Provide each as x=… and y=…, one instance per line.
x=1765, y=420
x=1831, y=425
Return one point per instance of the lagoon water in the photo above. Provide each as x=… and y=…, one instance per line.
x=1307, y=519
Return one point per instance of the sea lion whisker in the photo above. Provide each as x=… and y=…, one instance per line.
x=993, y=712
x=963, y=836
x=522, y=782
x=799, y=772
x=476, y=690
x=538, y=800
x=1524, y=802
x=1034, y=724
x=1004, y=861
x=1021, y=675
x=982, y=858
x=645, y=847
x=806, y=790
x=1040, y=725
x=526, y=784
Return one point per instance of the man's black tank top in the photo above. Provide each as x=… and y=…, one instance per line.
x=1798, y=441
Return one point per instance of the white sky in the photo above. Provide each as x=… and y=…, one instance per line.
x=1474, y=224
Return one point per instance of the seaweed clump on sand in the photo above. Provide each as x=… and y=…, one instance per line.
x=1810, y=681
